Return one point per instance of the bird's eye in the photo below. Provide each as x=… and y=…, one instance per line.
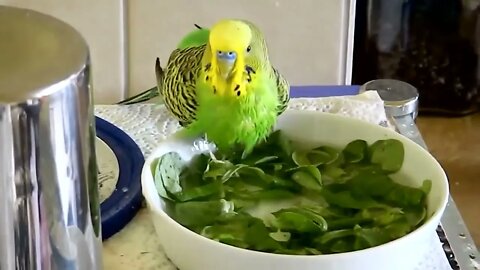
x=249, y=48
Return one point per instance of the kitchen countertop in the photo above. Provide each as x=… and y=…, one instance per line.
x=455, y=142
x=138, y=236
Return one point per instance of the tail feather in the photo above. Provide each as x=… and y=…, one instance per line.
x=143, y=96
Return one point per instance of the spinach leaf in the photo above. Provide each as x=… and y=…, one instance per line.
x=197, y=213
x=299, y=220
x=388, y=154
x=355, y=151
x=308, y=176
x=167, y=175
x=315, y=158
x=345, y=199
x=244, y=231
x=372, y=236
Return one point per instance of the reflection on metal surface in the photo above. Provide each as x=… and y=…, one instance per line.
x=406, y=126
x=49, y=212
x=7, y=199
x=400, y=98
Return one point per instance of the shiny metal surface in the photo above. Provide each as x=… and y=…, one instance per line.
x=49, y=210
x=30, y=41
x=400, y=98
x=460, y=239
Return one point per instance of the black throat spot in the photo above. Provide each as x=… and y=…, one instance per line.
x=208, y=66
x=249, y=70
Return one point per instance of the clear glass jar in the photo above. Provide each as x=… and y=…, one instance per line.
x=431, y=44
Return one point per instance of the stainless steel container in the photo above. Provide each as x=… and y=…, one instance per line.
x=49, y=206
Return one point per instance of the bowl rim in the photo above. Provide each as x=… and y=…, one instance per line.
x=438, y=212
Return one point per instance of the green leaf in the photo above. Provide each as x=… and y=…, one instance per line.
x=217, y=168
x=280, y=236
x=242, y=230
x=233, y=171
x=265, y=159
x=242, y=204
x=213, y=189
x=259, y=158
x=333, y=235
x=229, y=229
x=278, y=138
x=372, y=236
x=315, y=158
x=258, y=237
x=327, y=211
x=415, y=216
x=355, y=151
x=384, y=188
x=167, y=175
x=404, y=196
x=382, y=216
x=271, y=194
x=353, y=169
x=389, y=154
x=370, y=184
x=299, y=220
x=281, y=182
x=198, y=163
x=346, y=222
x=342, y=245
x=201, y=213
x=253, y=176
x=346, y=200
x=309, y=177
x=277, y=144
x=162, y=191
x=300, y=251
x=360, y=243
x=426, y=186
x=332, y=174
x=333, y=153
x=277, y=167
x=398, y=229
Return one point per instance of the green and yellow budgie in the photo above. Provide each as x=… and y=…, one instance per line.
x=220, y=83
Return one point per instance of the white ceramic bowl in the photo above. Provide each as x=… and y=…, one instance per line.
x=190, y=251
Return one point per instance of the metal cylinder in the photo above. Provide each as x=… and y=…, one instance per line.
x=400, y=98
x=49, y=207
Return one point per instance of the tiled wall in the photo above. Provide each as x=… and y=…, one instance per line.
x=308, y=39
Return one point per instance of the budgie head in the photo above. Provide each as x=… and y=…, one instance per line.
x=236, y=51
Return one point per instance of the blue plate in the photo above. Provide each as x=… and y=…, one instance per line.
x=126, y=199
x=315, y=91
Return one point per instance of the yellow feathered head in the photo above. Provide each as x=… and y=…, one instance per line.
x=237, y=51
